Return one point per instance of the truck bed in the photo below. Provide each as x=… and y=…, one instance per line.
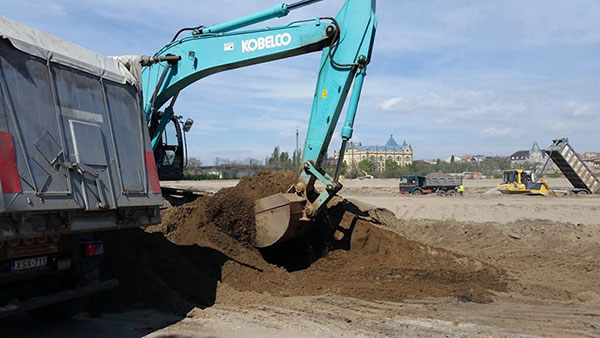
x=443, y=181
x=574, y=169
x=75, y=154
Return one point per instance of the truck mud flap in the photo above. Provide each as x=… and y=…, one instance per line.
x=37, y=302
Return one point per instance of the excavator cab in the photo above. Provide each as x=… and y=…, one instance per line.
x=171, y=151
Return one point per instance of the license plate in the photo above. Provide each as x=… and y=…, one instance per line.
x=30, y=263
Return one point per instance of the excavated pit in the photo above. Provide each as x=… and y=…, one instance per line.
x=207, y=244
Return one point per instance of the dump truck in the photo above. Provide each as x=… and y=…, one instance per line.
x=582, y=178
x=75, y=162
x=442, y=185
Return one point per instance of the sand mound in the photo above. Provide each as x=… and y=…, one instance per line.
x=231, y=209
x=210, y=240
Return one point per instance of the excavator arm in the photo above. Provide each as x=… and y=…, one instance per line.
x=346, y=42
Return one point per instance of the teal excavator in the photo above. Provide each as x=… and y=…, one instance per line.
x=346, y=42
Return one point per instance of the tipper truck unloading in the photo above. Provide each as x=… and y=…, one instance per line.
x=75, y=161
x=575, y=170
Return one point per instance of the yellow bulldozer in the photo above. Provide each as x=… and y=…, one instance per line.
x=520, y=181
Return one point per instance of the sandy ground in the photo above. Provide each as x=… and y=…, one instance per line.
x=388, y=185
x=549, y=245
x=477, y=205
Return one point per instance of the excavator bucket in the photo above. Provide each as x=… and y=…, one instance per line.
x=278, y=219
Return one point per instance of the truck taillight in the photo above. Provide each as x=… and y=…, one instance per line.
x=93, y=249
x=152, y=173
x=11, y=183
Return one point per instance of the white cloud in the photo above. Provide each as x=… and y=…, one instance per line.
x=564, y=127
x=55, y=9
x=456, y=106
x=500, y=132
x=389, y=104
x=577, y=110
x=448, y=76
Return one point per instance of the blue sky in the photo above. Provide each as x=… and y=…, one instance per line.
x=450, y=77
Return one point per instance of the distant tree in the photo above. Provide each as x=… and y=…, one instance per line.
x=367, y=166
x=222, y=162
x=284, y=158
x=274, y=158
x=279, y=159
x=353, y=171
x=194, y=166
x=296, y=158
x=534, y=166
x=392, y=169
x=503, y=163
x=252, y=162
x=345, y=169
x=194, y=162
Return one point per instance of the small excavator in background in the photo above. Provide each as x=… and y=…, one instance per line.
x=346, y=42
x=365, y=175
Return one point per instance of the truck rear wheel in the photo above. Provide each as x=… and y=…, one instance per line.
x=451, y=193
x=441, y=193
x=55, y=312
x=63, y=310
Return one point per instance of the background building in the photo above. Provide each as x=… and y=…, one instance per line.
x=592, y=160
x=401, y=154
x=534, y=156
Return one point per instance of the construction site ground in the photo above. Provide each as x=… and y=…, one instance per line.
x=534, y=263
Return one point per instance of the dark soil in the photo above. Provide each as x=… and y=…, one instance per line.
x=231, y=209
x=211, y=240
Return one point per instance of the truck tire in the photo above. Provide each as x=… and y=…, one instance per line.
x=417, y=192
x=59, y=311
x=441, y=193
x=451, y=193
x=55, y=312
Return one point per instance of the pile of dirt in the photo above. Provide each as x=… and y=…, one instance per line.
x=210, y=241
x=230, y=209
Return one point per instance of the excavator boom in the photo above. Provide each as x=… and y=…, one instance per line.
x=346, y=42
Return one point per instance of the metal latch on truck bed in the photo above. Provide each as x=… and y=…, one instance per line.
x=83, y=170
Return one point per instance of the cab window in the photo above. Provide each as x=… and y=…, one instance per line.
x=170, y=143
x=170, y=135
